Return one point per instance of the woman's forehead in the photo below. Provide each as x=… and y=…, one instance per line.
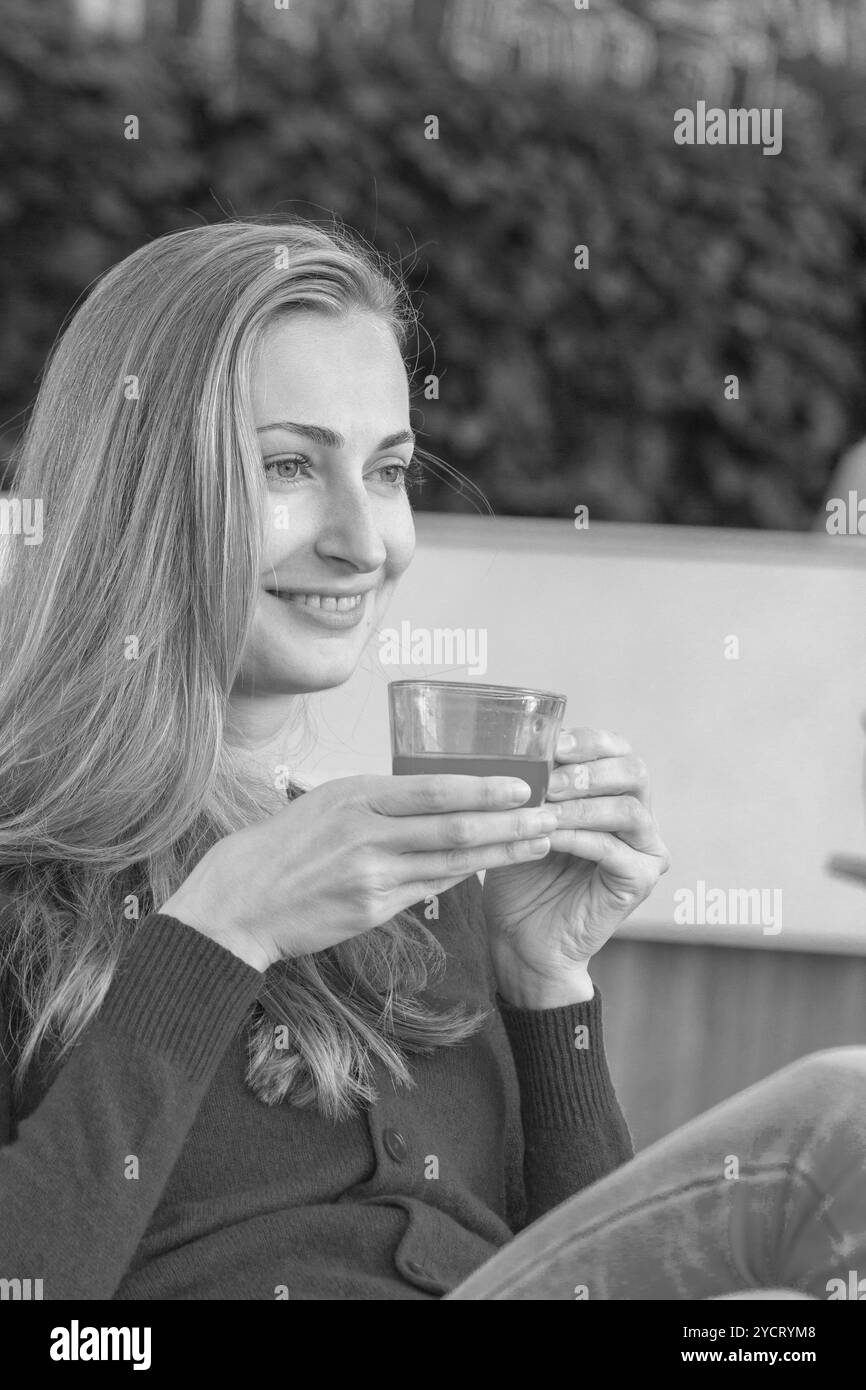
x=309, y=363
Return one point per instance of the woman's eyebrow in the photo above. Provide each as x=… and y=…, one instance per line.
x=330, y=439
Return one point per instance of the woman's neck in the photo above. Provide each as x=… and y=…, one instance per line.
x=264, y=736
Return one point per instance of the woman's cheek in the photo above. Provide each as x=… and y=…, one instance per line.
x=287, y=527
x=401, y=544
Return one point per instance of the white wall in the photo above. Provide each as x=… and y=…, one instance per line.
x=756, y=762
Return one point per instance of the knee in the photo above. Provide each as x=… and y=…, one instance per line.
x=833, y=1065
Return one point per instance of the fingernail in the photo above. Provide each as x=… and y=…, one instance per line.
x=518, y=791
x=567, y=741
x=540, y=846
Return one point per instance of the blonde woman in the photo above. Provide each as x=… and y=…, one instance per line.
x=236, y=1063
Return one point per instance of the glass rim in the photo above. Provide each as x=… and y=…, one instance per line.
x=477, y=685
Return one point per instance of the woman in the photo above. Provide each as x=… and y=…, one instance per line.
x=236, y=1065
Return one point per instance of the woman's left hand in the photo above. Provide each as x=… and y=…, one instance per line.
x=548, y=917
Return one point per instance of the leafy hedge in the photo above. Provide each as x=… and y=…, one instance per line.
x=557, y=386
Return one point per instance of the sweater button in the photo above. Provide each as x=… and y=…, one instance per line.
x=395, y=1144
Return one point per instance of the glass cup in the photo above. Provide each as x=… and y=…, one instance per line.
x=475, y=730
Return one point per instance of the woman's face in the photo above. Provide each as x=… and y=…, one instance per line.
x=331, y=405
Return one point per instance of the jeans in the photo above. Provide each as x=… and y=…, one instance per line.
x=765, y=1191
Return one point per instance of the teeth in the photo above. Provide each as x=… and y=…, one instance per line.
x=344, y=604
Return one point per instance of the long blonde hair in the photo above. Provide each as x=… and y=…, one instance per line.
x=115, y=776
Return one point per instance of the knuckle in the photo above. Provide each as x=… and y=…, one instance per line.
x=490, y=795
x=635, y=810
x=582, y=777
x=639, y=771
x=458, y=860
x=830, y=1065
x=437, y=793
x=365, y=906
x=368, y=879
x=356, y=829
x=648, y=878
x=614, y=745
x=350, y=791
x=461, y=830
x=365, y=897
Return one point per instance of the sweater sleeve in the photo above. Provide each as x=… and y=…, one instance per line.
x=573, y=1128
x=83, y=1175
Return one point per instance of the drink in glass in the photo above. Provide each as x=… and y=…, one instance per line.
x=475, y=730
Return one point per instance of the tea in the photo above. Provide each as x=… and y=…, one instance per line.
x=535, y=771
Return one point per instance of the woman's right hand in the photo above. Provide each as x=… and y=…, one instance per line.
x=349, y=854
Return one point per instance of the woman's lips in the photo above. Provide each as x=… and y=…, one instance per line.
x=325, y=610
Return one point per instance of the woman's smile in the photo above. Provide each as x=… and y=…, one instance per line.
x=328, y=610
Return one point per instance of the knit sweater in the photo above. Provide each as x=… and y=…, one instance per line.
x=144, y=1167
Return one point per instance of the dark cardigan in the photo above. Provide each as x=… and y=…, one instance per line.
x=145, y=1167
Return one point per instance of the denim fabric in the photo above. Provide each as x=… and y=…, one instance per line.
x=765, y=1191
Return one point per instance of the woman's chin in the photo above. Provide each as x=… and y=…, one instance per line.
x=326, y=680
x=323, y=674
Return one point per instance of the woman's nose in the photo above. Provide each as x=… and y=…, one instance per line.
x=349, y=530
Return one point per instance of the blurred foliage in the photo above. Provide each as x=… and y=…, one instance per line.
x=557, y=386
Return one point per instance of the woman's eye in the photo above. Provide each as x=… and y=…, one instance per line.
x=397, y=473
x=293, y=461
x=401, y=473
